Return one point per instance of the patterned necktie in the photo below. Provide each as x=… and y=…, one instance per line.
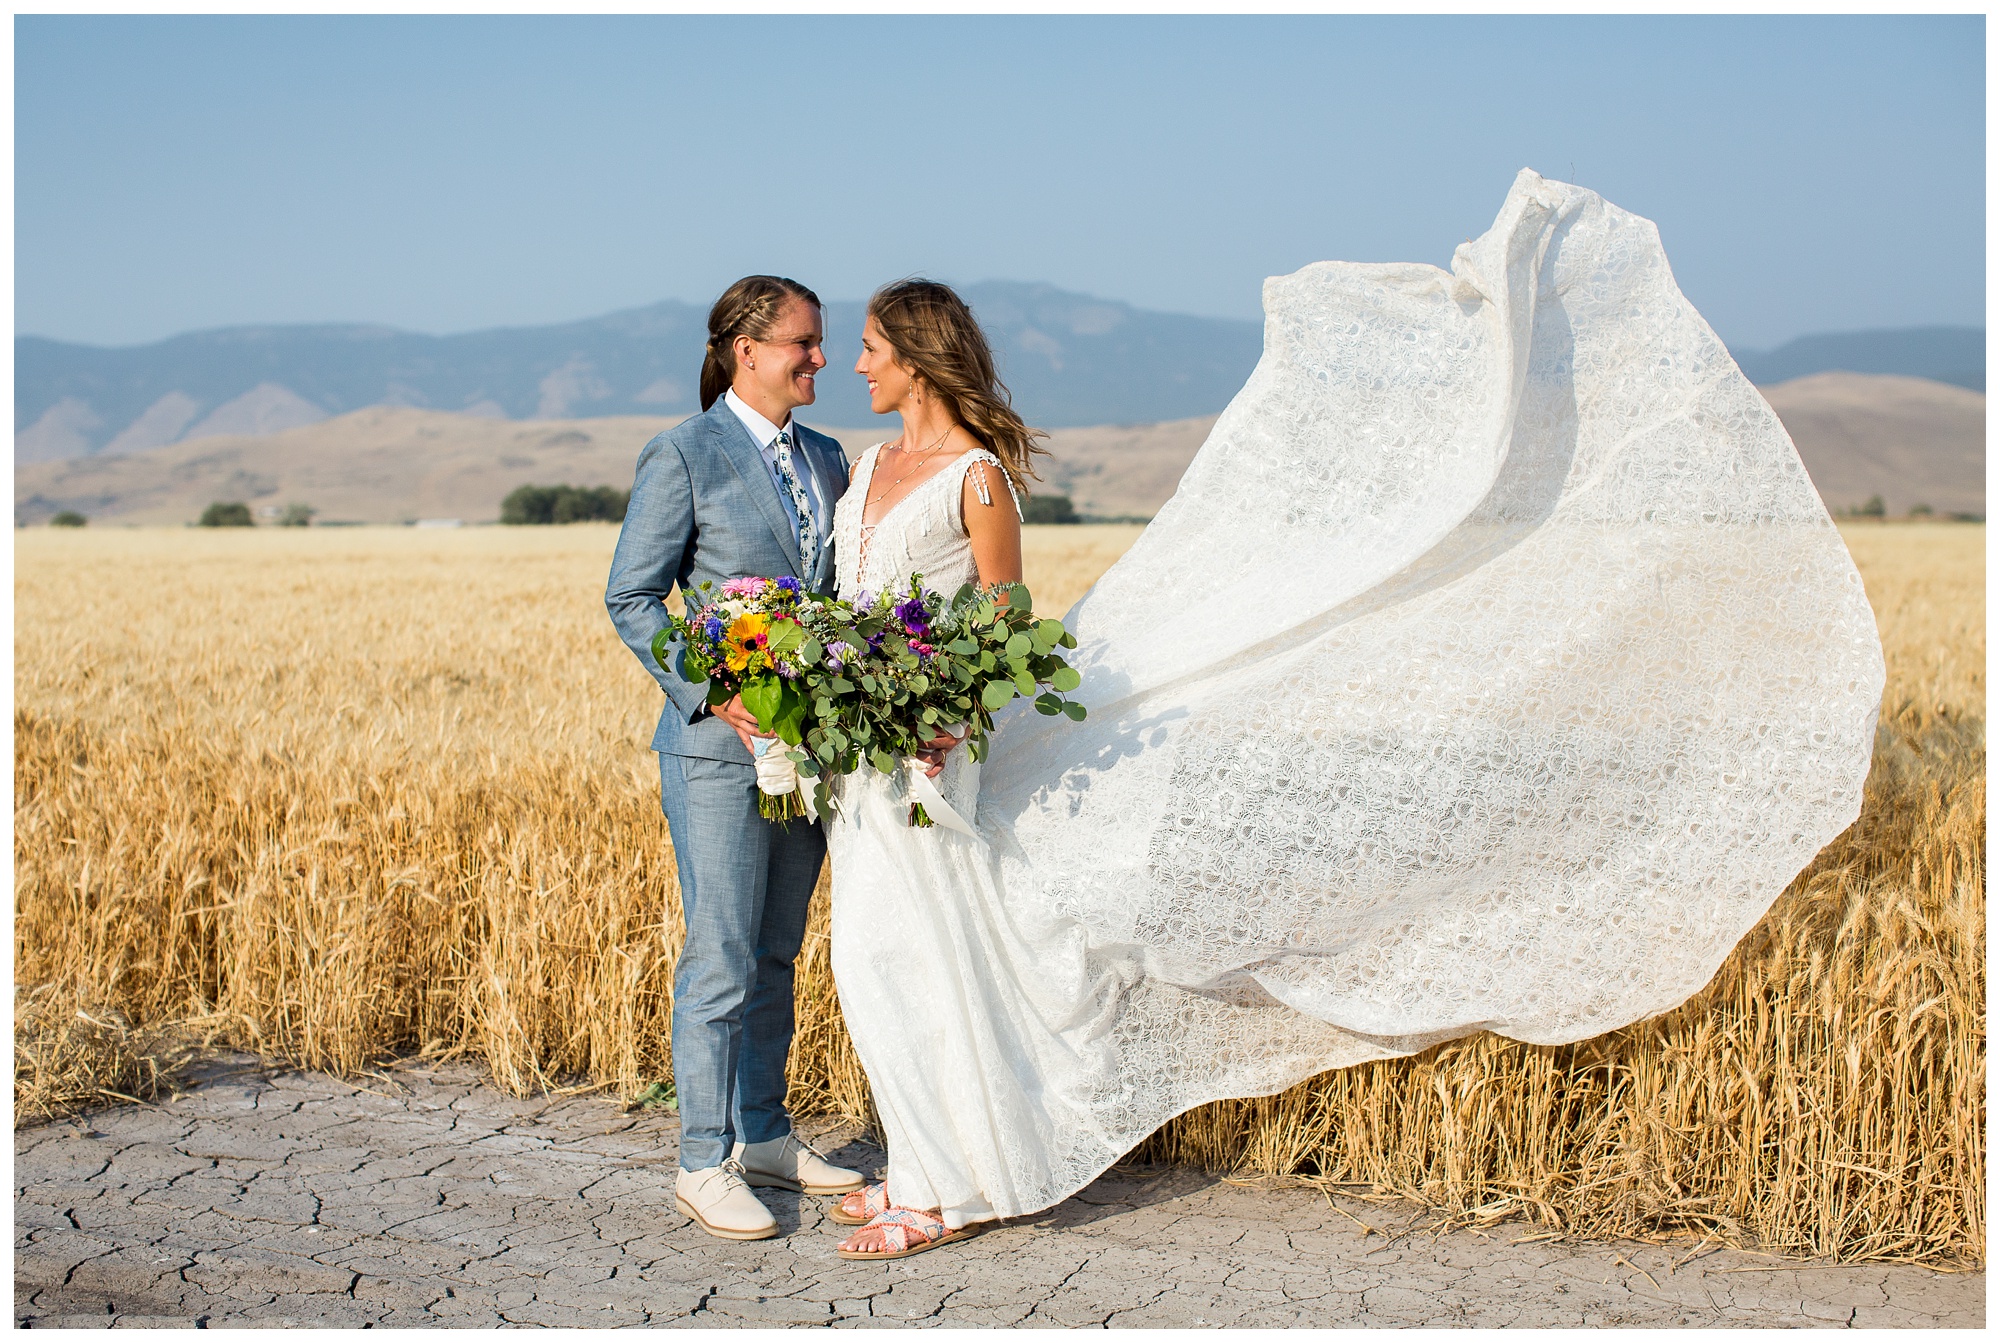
x=808, y=529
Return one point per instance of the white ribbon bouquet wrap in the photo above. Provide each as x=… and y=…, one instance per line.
x=778, y=775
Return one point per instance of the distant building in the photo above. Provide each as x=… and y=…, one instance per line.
x=440, y=522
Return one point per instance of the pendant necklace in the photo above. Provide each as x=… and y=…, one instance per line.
x=922, y=461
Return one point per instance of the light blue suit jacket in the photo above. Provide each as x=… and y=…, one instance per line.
x=705, y=509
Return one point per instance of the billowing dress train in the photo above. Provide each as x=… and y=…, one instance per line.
x=1494, y=667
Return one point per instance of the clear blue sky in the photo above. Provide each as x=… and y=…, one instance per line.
x=445, y=174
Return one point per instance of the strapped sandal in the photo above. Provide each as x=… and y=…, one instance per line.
x=905, y=1232
x=862, y=1206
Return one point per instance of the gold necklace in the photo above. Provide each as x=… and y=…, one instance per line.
x=929, y=453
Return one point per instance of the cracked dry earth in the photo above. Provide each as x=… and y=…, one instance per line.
x=427, y=1198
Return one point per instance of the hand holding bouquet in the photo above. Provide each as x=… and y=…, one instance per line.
x=758, y=640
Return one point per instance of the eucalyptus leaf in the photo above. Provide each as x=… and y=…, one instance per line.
x=785, y=635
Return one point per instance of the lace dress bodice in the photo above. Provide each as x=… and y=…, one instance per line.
x=923, y=533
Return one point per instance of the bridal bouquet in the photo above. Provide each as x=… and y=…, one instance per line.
x=871, y=682
x=919, y=665
x=761, y=639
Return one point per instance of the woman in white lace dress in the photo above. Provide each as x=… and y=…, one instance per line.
x=1494, y=667
x=941, y=501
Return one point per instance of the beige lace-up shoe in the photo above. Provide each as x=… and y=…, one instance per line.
x=788, y=1163
x=722, y=1204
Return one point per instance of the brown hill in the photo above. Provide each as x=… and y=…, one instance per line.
x=1907, y=439
x=1910, y=440
x=382, y=464
x=1114, y=470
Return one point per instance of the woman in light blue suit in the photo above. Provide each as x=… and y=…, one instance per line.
x=741, y=489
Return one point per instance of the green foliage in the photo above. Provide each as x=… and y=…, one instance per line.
x=1874, y=508
x=68, y=517
x=986, y=648
x=658, y=1095
x=297, y=515
x=776, y=705
x=1049, y=508
x=545, y=504
x=220, y=514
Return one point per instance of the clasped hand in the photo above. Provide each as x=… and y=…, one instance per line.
x=740, y=718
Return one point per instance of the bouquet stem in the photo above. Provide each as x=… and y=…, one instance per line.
x=780, y=806
x=918, y=816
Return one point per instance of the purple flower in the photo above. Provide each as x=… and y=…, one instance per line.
x=863, y=599
x=838, y=652
x=789, y=584
x=712, y=627
x=914, y=617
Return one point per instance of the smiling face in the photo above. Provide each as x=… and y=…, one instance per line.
x=776, y=373
x=889, y=382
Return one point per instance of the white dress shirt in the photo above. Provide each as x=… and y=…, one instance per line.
x=765, y=435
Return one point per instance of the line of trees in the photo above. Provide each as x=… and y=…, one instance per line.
x=1060, y=510
x=233, y=513
x=545, y=504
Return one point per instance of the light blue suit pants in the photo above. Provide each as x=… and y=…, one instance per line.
x=745, y=886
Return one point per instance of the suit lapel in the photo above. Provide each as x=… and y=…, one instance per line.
x=736, y=445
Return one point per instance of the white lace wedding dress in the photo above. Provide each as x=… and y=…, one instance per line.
x=1494, y=667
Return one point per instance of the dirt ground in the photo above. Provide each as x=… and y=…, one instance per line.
x=422, y=1197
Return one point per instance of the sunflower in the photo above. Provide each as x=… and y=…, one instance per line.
x=746, y=638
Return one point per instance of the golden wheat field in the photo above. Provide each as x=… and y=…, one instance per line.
x=340, y=794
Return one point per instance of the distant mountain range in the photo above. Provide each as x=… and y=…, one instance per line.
x=1953, y=354
x=1070, y=360
x=1910, y=440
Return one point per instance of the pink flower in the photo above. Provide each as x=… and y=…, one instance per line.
x=743, y=587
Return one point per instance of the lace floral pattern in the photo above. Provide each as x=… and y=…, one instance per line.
x=1495, y=666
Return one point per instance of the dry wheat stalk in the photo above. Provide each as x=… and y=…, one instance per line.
x=336, y=794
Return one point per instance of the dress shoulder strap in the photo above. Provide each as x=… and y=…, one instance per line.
x=979, y=481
